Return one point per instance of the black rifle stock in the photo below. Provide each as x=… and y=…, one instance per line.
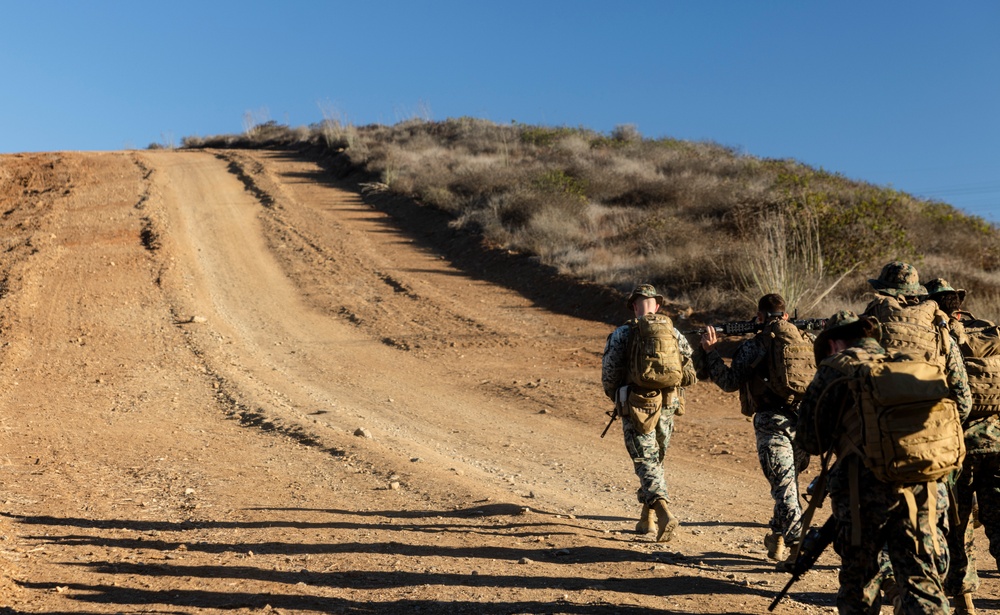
x=816, y=540
x=613, y=414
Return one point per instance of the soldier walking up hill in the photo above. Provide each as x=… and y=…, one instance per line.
x=980, y=476
x=766, y=397
x=645, y=363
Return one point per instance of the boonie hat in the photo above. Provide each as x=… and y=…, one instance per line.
x=941, y=285
x=898, y=279
x=643, y=290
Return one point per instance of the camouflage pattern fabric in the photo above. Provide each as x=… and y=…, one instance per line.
x=782, y=462
x=774, y=428
x=980, y=477
x=958, y=379
x=885, y=524
x=919, y=556
x=647, y=450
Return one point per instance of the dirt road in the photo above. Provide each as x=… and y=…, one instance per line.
x=232, y=383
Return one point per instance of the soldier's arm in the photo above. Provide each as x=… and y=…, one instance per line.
x=958, y=379
x=613, y=361
x=689, y=375
x=730, y=378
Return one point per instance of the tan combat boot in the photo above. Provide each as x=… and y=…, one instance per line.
x=775, y=544
x=964, y=605
x=645, y=524
x=666, y=523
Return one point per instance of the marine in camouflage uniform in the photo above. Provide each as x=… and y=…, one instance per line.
x=980, y=476
x=918, y=552
x=647, y=450
x=773, y=422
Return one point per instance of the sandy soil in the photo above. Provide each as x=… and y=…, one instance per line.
x=234, y=382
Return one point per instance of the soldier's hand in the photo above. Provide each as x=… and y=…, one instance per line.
x=709, y=339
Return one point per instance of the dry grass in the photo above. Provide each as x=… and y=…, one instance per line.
x=711, y=226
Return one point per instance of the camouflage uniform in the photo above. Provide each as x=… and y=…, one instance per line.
x=884, y=515
x=980, y=476
x=774, y=427
x=647, y=450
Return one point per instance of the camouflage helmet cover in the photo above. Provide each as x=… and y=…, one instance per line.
x=643, y=290
x=898, y=279
x=940, y=285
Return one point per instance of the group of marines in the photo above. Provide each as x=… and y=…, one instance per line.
x=908, y=544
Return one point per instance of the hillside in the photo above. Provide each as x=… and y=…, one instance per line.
x=713, y=226
x=234, y=382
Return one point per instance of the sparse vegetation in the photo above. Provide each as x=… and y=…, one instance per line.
x=711, y=226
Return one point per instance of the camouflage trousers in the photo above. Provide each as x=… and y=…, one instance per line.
x=647, y=452
x=782, y=461
x=980, y=477
x=918, y=554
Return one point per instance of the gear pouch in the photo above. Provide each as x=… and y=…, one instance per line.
x=644, y=406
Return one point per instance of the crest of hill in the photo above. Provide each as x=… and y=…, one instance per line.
x=713, y=227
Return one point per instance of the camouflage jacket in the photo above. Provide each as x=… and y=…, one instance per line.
x=739, y=375
x=614, y=363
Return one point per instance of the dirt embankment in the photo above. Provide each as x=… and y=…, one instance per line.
x=233, y=383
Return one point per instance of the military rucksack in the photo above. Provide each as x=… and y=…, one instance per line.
x=979, y=341
x=789, y=360
x=903, y=424
x=654, y=356
x=913, y=329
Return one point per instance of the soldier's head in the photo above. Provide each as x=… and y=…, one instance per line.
x=771, y=305
x=644, y=300
x=842, y=330
x=948, y=299
x=898, y=279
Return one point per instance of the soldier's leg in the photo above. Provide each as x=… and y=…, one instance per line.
x=919, y=554
x=646, y=454
x=665, y=429
x=863, y=567
x=778, y=461
x=988, y=492
x=962, y=577
x=862, y=574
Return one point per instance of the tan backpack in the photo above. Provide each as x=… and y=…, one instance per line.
x=979, y=341
x=913, y=329
x=790, y=360
x=904, y=425
x=654, y=356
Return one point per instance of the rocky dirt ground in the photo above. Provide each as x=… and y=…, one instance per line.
x=232, y=382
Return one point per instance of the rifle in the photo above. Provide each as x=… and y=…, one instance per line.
x=613, y=414
x=815, y=541
x=742, y=327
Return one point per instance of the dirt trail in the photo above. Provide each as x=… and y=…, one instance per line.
x=191, y=341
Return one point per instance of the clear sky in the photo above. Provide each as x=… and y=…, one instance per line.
x=896, y=93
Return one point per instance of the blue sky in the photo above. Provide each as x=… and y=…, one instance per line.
x=897, y=93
